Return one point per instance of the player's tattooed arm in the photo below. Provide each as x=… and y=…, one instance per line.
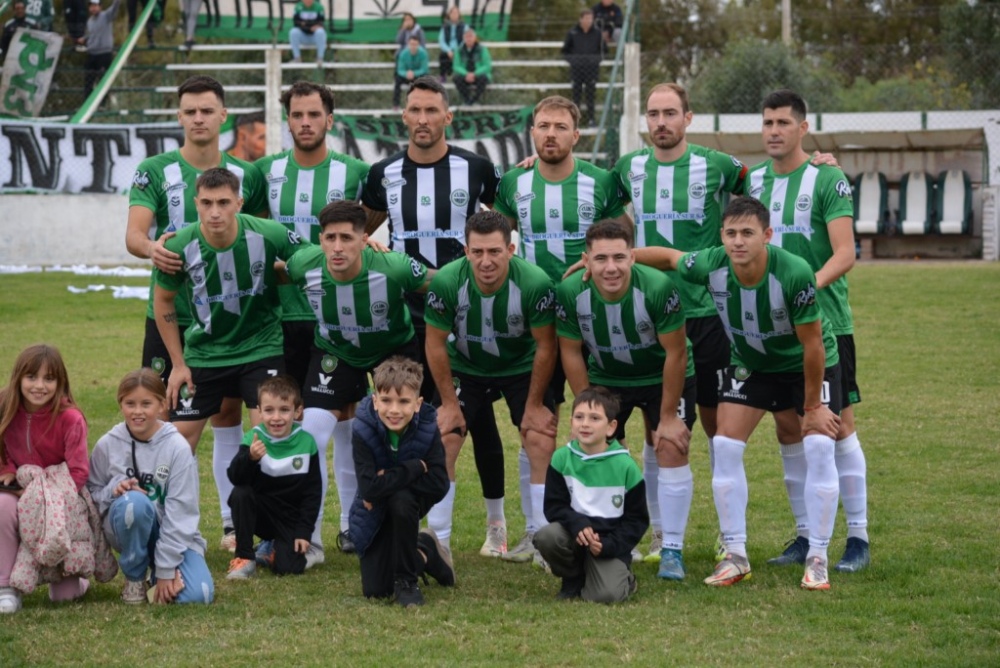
x=170, y=317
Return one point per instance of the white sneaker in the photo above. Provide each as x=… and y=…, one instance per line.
x=655, y=545
x=134, y=592
x=523, y=551
x=228, y=540
x=538, y=561
x=496, y=540
x=10, y=600
x=636, y=556
x=314, y=556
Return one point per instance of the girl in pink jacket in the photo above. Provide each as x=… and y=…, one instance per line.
x=40, y=424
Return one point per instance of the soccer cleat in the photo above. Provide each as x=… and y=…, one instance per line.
x=795, y=552
x=538, y=561
x=10, y=600
x=720, y=549
x=729, y=571
x=407, y=594
x=439, y=565
x=345, y=543
x=264, y=556
x=815, y=577
x=241, y=569
x=523, y=551
x=571, y=588
x=228, y=541
x=496, y=540
x=655, y=545
x=856, y=557
x=314, y=556
x=134, y=592
x=671, y=565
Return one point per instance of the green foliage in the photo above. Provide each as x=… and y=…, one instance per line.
x=926, y=87
x=971, y=35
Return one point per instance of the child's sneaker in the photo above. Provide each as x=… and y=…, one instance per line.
x=264, y=556
x=10, y=600
x=439, y=565
x=345, y=543
x=241, y=569
x=496, y=540
x=523, y=551
x=228, y=540
x=655, y=545
x=407, y=594
x=315, y=556
x=134, y=592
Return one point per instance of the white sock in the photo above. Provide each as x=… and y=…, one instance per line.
x=439, y=517
x=524, y=483
x=343, y=469
x=729, y=487
x=538, y=506
x=852, y=469
x=650, y=473
x=226, y=445
x=676, y=489
x=822, y=490
x=494, y=510
x=320, y=423
x=793, y=459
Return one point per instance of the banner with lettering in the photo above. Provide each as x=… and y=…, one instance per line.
x=27, y=71
x=36, y=157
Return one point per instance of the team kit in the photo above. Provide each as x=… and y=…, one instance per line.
x=637, y=288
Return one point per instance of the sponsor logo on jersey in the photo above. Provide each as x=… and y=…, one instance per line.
x=734, y=391
x=636, y=176
x=257, y=268
x=387, y=184
x=546, y=303
x=227, y=275
x=158, y=364
x=275, y=179
x=328, y=363
x=561, y=312
x=435, y=303
x=274, y=194
x=497, y=171
x=527, y=197
x=803, y=203
x=644, y=326
x=175, y=200
x=779, y=314
x=776, y=206
x=843, y=189
x=297, y=463
x=140, y=180
x=756, y=191
x=315, y=292
x=489, y=321
x=346, y=310
x=806, y=297
x=584, y=327
x=416, y=268
x=425, y=200
x=168, y=186
x=393, y=199
x=636, y=192
x=617, y=500
x=553, y=213
x=673, y=304
x=615, y=329
x=334, y=196
x=586, y=211
x=523, y=212
x=664, y=193
x=689, y=260
x=748, y=316
x=460, y=197
x=303, y=197
x=294, y=237
x=696, y=191
x=736, y=161
x=379, y=309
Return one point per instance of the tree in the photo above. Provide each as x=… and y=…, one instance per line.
x=971, y=34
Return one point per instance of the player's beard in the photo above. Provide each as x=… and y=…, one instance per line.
x=555, y=158
x=317, y=141
x=668, y=142
x=428, y=140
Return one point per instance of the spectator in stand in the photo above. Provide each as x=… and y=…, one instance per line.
x=473, y=68
x=40, y=11
x=75, y=13
x=190, y=9
x=609, y=19
x=584, y=49
x=20, y=20
x=450, y=38
x=309, y=20
x=409, y=28
x=100, y=43
x=133, y=7
x=412, y=62
x=251, y=137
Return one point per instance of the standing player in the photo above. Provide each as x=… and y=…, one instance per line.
x=784, y=362
x=631, y=320
x=300, y=182
x=428, y=191
x=161, y=203
x=552, y=203
x=812, y=211
x=490, y=331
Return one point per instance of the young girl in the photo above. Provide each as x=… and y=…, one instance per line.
x=144, y=481
x=41, y=425
x=409, y=28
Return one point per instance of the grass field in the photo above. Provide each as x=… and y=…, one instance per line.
x=928, y=338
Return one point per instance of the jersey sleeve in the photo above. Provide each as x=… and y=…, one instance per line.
x=567, y=326
x=733, y=171
x=836, y=194
x=172, y=282
x=665, y=302
x=147, y=189
x=618, y=172
x=410, y=272
x=491, y=183
x=373, y=192
x=613, y=206
x=539, y=300
x=286, y=242
x=800, y=295
x=504, y=202
x=694, y=267
x=440, y=305
x=254, y=192
x=299, y=263
x=363, y=169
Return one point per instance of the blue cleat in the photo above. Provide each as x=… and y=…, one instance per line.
x=795, y=553
x=856, y=557
x=671, y=565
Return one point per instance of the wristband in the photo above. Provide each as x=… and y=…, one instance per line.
x=812, y=408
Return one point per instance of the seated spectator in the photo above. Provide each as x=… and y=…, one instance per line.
x=584, y=48
x=609, y=19
x=20, y=20
x=412, y=62
x=407, y=29
x=308, y=19
x=473, y=68
x=250, y=143
x=449, y=40
x=100, y=43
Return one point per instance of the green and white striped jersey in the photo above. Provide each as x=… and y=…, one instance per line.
x=760, y=319
x=284, y=456
x=491, y=333
x=165, y=184
x=296, y=195
x=362, y=320
x=622, y=337
x=553, y=217
x=598, y=483
x=802, y=203
x=679, y=205
x=232, y=291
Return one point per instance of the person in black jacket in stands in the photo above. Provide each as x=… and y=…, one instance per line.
x=584, y=49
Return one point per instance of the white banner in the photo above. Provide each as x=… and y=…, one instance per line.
x=27, y=71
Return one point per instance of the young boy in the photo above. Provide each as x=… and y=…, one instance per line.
x=276, y=484
x=400, y=462
x=592, y=551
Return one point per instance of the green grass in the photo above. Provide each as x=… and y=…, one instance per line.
x=928, y=347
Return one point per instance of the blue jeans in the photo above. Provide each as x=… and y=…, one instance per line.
x=297, y=37
x=133, y=519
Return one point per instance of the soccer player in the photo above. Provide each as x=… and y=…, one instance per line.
x=300, y=182
x=552, y=203
x=631, y=320
x=428, y=191
x=784, y=362
x=161, y=203
x=811, y=210
x=229, y=277
x=490, y=331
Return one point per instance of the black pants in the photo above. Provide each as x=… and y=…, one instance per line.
x=133, y=15
x=584, y=78
x=400, y=82
x=94, y=68
x=255, y=514
x=393, y=553
x=445, y=64
x=471, y=92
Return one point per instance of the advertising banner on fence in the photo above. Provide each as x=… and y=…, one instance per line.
x=28, y=67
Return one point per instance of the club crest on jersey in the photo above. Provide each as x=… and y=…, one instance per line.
x=435, y=303
x=197, y=273
x=460, y=197
x=664, y=193
x=227, y=275
x=379, y=309
x=803, y=203
x=140, y=180
x=514, y=320
x=158, y=364
x=257, y=268
x=644, y=326
x=617, y=500
x=779, y=314
x=696, y=191
x=586, y=211
x=297, y=463
x=328, y=363
x=334, y=196
x=162, y=472
x=741, y=373
x=843, y=189
x=425, y=200
x=806, y=297
x=776, y=206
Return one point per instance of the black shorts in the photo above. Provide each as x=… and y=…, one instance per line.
x=213, y=384
x=647, y=398
x=333, y=384
x=711, y=356
x=849, y=390
x=154, y=351
x=299, y=336
x=477, y=392
x=776, y=392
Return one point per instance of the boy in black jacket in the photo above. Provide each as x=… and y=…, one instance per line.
x=400, y=464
